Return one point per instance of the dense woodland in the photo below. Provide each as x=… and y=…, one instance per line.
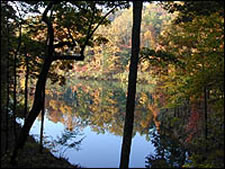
x=174, y=49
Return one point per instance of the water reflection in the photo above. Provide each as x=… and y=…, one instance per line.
x=180, y=141
x=100, y=106
x=165, y=136
x=98, y=111
x=170, y=138
x=169, y=152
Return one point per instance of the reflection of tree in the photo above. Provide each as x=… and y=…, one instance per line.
x=169, y=153
x=99, y=105
x=67, y=140
x=177, y=146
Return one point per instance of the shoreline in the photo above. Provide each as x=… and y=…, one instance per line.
x=30, y=157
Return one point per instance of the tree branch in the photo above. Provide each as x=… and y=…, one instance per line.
x=102, y=20
x=44, y=16
x=71, y=37
x=91, y=33
x=50, y=29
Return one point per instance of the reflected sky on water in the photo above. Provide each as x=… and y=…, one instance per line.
x=96, y=110
x=98, y=150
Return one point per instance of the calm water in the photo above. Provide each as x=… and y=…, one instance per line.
x=93, y=112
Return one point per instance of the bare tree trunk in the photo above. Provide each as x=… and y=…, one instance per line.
x=42, y=123
x=26, y=85
x=7, y=105
x=206, y=116
x=14, y=96
x=15, y=83
x=130, y=105
x=7, y=93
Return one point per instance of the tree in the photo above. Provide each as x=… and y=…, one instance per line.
x=196, y=39
x=4, y=69
x=65, y=15
x=130, y=105
x=9, y=23
x=188, y=10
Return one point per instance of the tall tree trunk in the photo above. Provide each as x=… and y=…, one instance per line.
x=206, y=116
x=42, y=123
x=26, y=86
x=130, y=105
x=14, y=96
x=205, y=108
x=15, y=82
x=8, y=92
x=5, y=80
x=37, y=106
x=7, y=104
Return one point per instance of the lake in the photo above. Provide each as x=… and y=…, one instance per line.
x=92, y=114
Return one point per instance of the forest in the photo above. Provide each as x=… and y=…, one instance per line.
x=124, y=69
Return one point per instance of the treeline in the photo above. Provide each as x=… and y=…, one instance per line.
x=189, y=68
x=110, y=61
